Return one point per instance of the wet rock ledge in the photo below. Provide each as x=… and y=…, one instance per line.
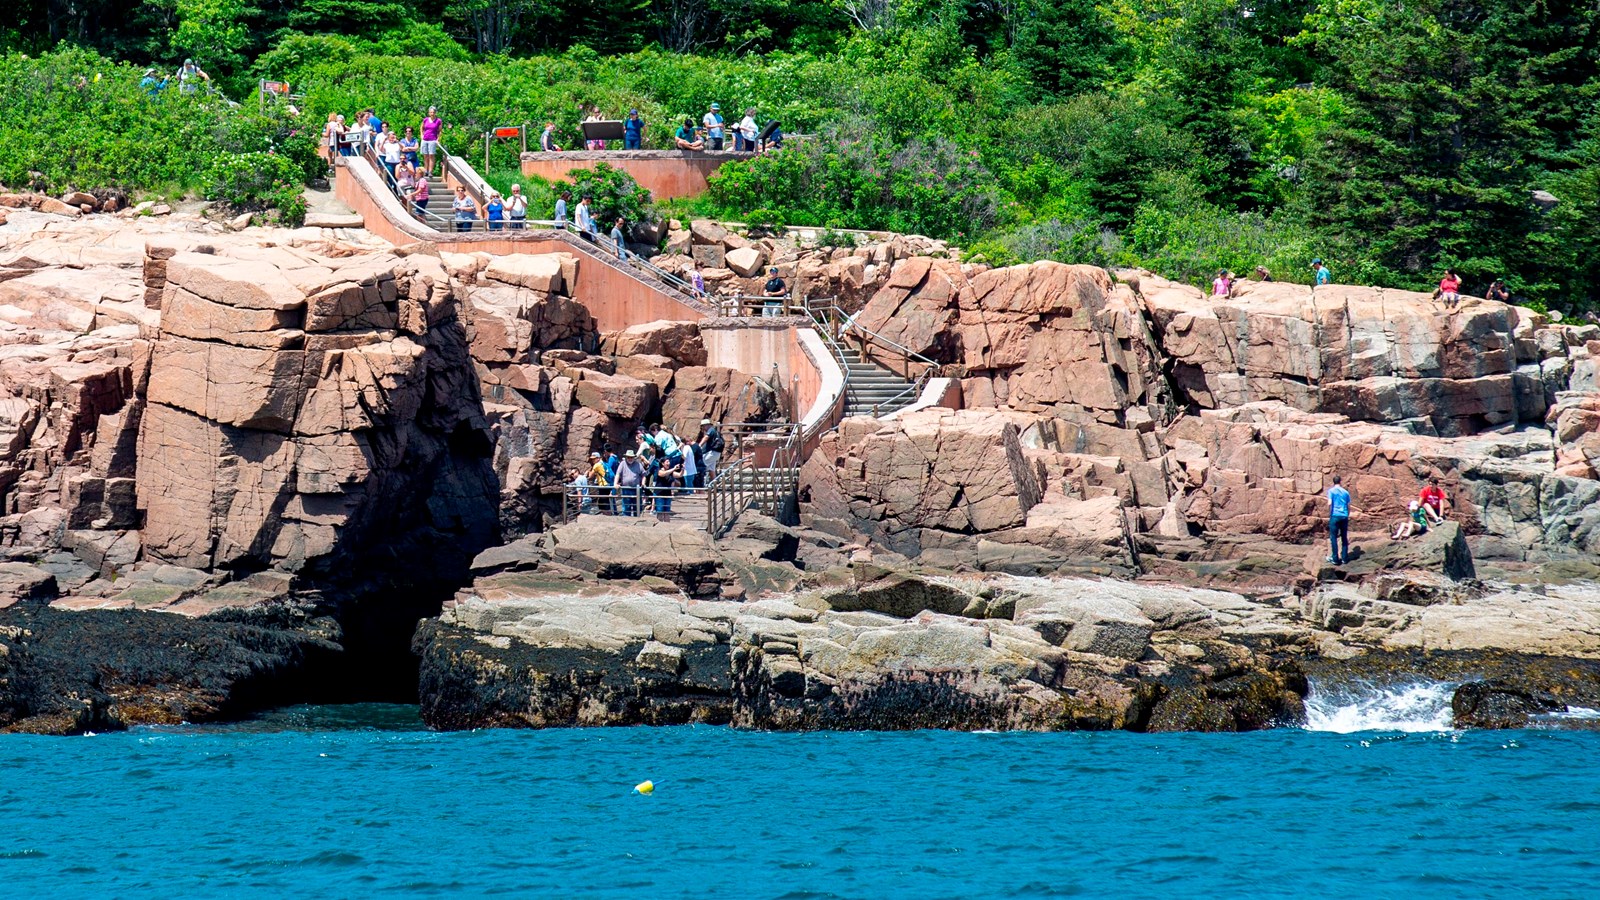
x=537, y=642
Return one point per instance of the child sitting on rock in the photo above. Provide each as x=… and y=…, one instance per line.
x=1416, y=525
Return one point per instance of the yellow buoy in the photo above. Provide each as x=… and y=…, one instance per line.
x=645, y=787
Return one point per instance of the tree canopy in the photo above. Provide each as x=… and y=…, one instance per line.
x=1391, y=138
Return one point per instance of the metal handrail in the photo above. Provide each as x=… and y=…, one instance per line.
x=634, y=501
x=852, y=325
x=370, y=154
x=742, y=484
x=476, y=184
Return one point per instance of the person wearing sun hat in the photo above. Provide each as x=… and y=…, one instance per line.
x=713, y=123
x=630, y=475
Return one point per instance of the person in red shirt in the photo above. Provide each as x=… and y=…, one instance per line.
x=1433, y=501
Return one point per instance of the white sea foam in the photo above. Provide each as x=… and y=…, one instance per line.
x=1575, y=712
x=1412, y=706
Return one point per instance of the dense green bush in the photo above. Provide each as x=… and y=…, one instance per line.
x=614, y=193
x=257, y=182
x=82, y=121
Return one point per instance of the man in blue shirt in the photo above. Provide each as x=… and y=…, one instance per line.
x=633, y=131
x=1319, y=272
x=1338, y=523
x=561, y=209
x=713, y=123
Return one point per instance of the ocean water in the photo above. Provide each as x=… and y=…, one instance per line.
x=362, y=802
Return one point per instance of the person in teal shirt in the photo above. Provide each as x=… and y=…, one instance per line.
x=1319, y=272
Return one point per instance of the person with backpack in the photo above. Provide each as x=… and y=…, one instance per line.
x=711, y=446
x=190, y=76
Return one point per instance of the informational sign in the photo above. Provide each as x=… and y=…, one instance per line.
x=603, y=130
x=504, y=133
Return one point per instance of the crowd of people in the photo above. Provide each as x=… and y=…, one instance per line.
x=644, y=478
x=712, y=133
x=1427, y=511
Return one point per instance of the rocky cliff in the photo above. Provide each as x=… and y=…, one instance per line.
x=302, y=442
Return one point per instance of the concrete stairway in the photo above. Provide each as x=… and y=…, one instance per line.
x=873, y=390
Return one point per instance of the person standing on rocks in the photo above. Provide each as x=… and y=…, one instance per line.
x=598, y=480
x=1222, y=285
x=1319, y=273
x=669, y=477
x=580, y=482
x=1262, y=274
x=1338, y=523
x=612, y=462
x=1498, y=292
x=432, y=125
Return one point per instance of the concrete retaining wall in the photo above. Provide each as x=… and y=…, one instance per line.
x=666, y=174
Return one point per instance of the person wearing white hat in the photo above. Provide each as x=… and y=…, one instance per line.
x=713, y=123
x=630, y=476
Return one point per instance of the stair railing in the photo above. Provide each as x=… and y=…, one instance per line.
x=830, y=318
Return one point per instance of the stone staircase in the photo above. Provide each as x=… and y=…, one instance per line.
x=872, y=389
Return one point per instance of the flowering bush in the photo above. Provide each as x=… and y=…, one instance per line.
x=257, y=182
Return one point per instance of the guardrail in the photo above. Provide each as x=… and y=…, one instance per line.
x=830, y=319
x=428, y=216
x=745, y=482
x=633, y=501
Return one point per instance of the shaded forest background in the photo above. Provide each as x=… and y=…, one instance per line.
x=1390, y=137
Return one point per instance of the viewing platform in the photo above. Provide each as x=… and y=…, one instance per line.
x=666, y=174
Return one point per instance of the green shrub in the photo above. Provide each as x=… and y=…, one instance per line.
x=614, y=193
x=82, y=121
x=257, y=182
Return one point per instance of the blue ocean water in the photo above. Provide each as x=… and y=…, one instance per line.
x=313, y=803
